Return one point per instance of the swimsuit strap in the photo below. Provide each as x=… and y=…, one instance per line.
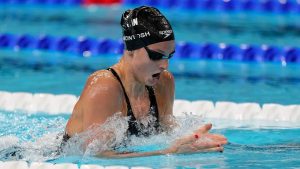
x=132, y=128
x=129, y=112
x=153, y=104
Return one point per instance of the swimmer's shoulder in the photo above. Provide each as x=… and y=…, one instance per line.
x=100, y=99
x=103, y=77
x=102, y=81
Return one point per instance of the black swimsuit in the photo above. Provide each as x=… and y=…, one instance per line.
x=134, y=127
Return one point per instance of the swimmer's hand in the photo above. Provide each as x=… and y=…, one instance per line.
x=200, y=141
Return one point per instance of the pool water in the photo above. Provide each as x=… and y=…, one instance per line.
x=272, y=145
x=102, y=22
x=213, y=80
x=35, y=137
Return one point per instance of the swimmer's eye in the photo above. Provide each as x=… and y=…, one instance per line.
x=153, y=55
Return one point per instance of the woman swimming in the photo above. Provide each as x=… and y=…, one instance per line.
x=139, y=86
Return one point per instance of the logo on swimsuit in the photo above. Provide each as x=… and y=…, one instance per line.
x=167, y=33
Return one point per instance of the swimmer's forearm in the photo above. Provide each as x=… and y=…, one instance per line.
x=112, y=154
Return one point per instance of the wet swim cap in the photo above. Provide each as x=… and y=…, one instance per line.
x=143, y=26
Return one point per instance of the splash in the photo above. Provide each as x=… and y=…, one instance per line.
x=179, y=128
x=112, y=135
x=99, y=138
x=43, y=149
x=8, y=141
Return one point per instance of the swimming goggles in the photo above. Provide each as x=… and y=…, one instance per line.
x=153, y=55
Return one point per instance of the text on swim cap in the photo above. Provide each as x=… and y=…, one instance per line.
x=134, y=22
x=139, y=35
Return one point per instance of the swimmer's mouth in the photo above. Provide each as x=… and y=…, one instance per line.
x=156, y=75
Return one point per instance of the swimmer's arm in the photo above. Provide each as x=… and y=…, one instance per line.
x=113, y=154
x=100, y=100
x=185, y=145
x=167, y=120
x=171, y=150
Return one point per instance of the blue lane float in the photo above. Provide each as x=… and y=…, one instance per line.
x=230, y=52
x=26, y=42
x=46, y=42
x=91, y=47
x=189, y=4
x=7, y=40
x=187, y=50
x=250, y=5
x=210, y=51
x=292, y=55
x=274, y=6
x=42, y=2
x=86, y=46
x=277, y=6
x=104, y=46
x=210, y=5
x=273, y=54
x=232, y=5
x=252, y=53
x=66, y=44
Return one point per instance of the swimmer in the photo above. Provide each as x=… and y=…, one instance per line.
x=138, y=86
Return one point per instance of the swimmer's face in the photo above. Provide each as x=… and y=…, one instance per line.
x=148, y=70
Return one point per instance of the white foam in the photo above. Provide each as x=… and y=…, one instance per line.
x=116, y=167
x=14, y=165
x=45, y=165
x=64, y=166
x=8, y=141
x=39, y=165
x=64, y=103
x=91, y=167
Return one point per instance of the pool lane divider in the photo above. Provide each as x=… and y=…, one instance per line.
x=91, y=47
x=58, y=3
x=82, y=46
x=64, y=103
x=45, y=165
x=270, y=6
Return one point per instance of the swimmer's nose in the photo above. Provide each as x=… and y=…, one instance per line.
x=163, y=64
